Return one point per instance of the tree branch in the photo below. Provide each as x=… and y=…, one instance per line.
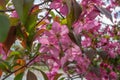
x=21, y=67
x=59, y=13
x=9, y=10
x=39, y=4
x=43, y=18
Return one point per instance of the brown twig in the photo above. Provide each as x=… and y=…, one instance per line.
x=9, y=10
x=59, y=13
x=43, y=17
x=21, y=67
x=39, y=4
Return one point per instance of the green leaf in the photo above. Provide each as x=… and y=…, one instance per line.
x=49, y=26
x=31, y=76
x=4, y=65
x=11, y=60
x=43, y=73
x=19, y=8
x=15, y=53
x=13, y=21
x=70, y=19
x=106, y=36
x=57, y=76
x=19, y=76
x=64, y=21
x=4, y=27
x=63, y=78
x=52, y=14
x=31, y=22
x=6, y=1
x=27, y=7
x=23, y=7
x=74, y=11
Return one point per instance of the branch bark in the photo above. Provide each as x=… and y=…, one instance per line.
x=9, y=10
x=21, y=67
x=43, y=17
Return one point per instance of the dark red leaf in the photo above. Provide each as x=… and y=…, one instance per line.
x=31, y=76
x=10, y=38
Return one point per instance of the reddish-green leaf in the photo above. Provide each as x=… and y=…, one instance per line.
x=13, y=21
x=20, y=63
x=11, y=37
x=39, y=33
x=74, y=11
x=1, y=72
x=57, y=76
x=2, y=4
x=31, y=76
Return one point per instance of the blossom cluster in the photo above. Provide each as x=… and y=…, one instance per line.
x=86, y=58
x=75, y=41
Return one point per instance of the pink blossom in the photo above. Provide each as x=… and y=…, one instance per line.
x=70, y=53
x=53, y=71
x=58, y=4
x=112, y=53
x=53, y=38
x=78, y=27
x=14, y=14
x=2, y=52
x=87, y=2
x=82, y=63
x=64, y=10
x=113, y=75
x=59, y=29
x=93, y=14
x=90, y=25
x=103, y=40
x=86, y=42
x=54, y=51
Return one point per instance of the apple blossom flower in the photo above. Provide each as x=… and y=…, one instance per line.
x=59, y=4
x=2, y=52
x=14, y=14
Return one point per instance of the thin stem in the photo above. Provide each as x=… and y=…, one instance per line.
x=39, y=4
x=21, y=67
x=43, y=17
x=9, y=10
x=59, y=13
